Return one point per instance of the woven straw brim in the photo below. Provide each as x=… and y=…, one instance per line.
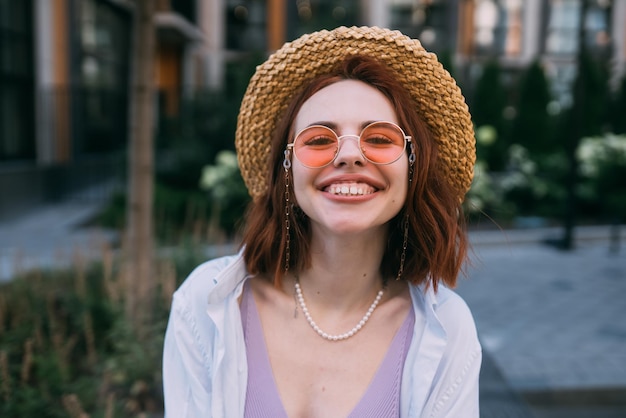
x=437, y=97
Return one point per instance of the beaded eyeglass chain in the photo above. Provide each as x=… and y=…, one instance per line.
x=299, y=297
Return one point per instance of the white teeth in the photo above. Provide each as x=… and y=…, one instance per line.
x=350, y=189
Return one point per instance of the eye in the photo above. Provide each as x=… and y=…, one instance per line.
x=320, y=140
x=317, y=137
x=378, y=139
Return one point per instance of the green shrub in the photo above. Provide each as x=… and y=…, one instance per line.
x=487, y=108
x=526, y=187
x=226, y=191
x=533, y=127
x=602, y=166
x=67, y=349
x=178, y=213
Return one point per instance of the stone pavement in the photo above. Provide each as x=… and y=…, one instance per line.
x=50, y=236
x=552, y=323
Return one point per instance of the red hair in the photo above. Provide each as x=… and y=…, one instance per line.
x=437, y=241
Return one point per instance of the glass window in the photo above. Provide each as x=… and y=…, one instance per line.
x=103, y=42
x=562, y=40
x=498, y=27
x=563, y=23
x=306, y=16
x=102, y=69
x=246, y=25
x=17, y=139
x=562, y=32
x=426, y=20
x=186, y=8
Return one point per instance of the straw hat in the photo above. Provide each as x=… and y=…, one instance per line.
x=437, y=97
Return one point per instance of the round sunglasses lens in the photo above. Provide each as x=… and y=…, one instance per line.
x=382, y=143
x=315, y=146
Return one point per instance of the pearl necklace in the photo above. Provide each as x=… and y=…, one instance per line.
x=339, y=337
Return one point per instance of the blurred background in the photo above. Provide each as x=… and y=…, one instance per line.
x=543, y=142
x=117, y=120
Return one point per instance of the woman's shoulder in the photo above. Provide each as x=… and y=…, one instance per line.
x=456, y=317
x=209, y=276
x=448, y=299
x=443, y=298
x=451, y=311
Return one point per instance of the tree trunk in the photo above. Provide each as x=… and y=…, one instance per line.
x=139, y=228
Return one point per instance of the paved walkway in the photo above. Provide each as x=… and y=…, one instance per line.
x=50, y=236
x=552, y=323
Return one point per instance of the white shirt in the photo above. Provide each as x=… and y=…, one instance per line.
x=204, y=356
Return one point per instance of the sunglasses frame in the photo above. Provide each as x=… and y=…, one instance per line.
x=407, y=139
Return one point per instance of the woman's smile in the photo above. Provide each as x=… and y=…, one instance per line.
x=350, y=189
x=350, y=194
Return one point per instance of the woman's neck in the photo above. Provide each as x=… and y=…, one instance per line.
x=344, y=271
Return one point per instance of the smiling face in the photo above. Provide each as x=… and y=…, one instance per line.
x=351, y=194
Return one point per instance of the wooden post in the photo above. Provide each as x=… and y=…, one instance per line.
x=139, y=238
x=276, y=22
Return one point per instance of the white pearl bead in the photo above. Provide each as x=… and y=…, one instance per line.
x=316, y=328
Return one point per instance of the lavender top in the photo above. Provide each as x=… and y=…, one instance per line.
x=380, y=400
x=205, y=365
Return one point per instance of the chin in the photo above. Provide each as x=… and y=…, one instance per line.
x=350, y=227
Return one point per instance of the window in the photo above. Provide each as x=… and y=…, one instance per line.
x=498, y=27
x=246, y=25
x=101, y=67
x=563, y=23
x=305, y=16
x=186, y=8
x=563, y=37
x=17, y=138
x=426, y=20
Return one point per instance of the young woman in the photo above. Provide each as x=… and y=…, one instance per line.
x=357, y=148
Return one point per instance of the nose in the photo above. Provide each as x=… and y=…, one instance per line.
x=349, y=152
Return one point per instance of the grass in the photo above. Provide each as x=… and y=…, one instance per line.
x=66, y=348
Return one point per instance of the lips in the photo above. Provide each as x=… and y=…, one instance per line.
x=350, y=189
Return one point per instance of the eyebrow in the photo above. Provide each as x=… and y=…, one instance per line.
x=333, y=125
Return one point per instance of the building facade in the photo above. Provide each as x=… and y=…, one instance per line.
x=467, y=32
x=65, y=64
x=64, y=82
